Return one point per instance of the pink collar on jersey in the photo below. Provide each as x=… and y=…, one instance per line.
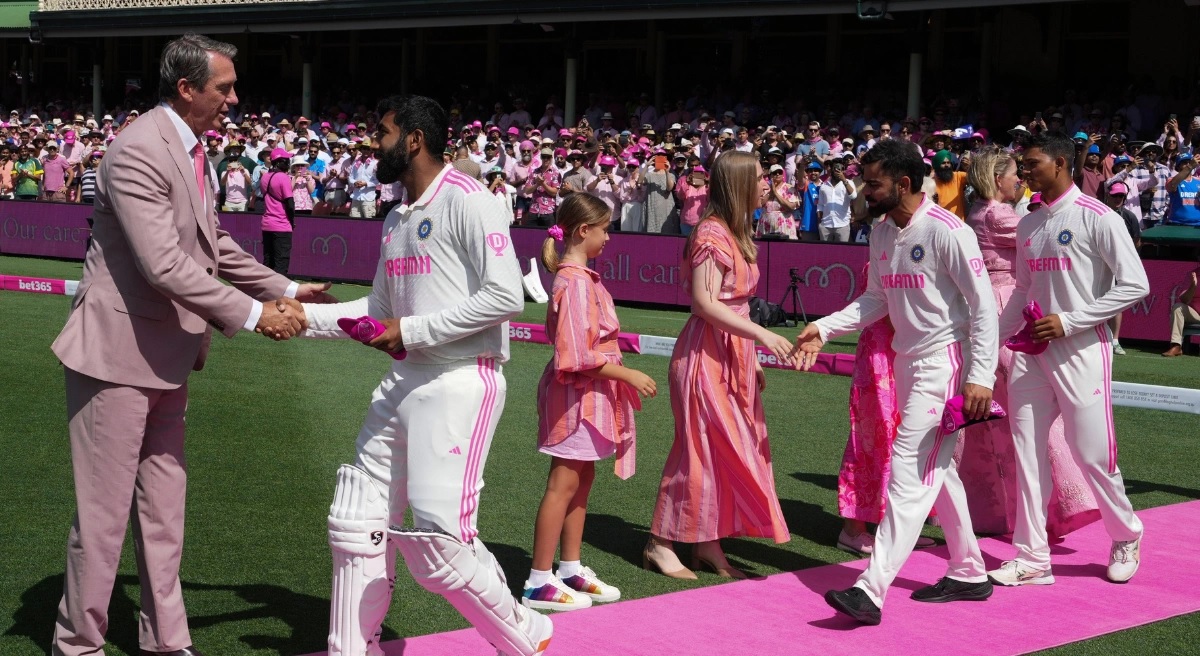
x=434, y=185
x=1062, y=201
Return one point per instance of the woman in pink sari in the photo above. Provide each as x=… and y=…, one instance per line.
x=985, y=454
x=874, y=416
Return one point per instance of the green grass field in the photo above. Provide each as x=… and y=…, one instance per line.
x=269, y=424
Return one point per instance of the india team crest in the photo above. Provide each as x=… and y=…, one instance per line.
x=1064, y=238
x=917, y=253
x=424, y=228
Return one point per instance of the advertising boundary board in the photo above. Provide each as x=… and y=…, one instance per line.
x=637, y=268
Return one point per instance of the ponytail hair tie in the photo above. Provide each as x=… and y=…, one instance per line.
x=556, y=232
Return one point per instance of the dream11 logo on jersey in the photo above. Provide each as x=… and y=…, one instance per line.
x=497, y=241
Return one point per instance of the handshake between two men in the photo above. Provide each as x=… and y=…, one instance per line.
x=284, y=318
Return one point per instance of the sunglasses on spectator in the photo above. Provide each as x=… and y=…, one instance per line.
x=905, y=131
x=885, y=130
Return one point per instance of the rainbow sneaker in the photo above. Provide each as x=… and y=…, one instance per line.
x=553, y=595
x=587, y=583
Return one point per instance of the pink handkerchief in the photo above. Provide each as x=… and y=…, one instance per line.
x=365, y=329
x=1023, y=340
x=952, y=416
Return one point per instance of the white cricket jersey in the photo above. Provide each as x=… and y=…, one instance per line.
x=1075, y=258
x=447, y=270
x=929, y=278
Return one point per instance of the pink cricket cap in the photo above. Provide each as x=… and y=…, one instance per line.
x=476, y=124
x=280, y=153
x=514, y=131
x=1117, y=188
x=325, y=124
x=608, y=160
x=69, y=137
x=564, y=132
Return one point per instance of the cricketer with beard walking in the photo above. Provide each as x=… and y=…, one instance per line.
x=445, y=287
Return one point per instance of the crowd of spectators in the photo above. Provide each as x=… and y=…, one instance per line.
x=648, y=164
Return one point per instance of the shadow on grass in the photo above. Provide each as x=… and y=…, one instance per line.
x=304, y=614
x=1140, y=487
x=827, y=481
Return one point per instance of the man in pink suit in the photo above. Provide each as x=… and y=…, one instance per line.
x=141, y=321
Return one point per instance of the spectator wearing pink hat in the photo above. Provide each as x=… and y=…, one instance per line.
x=543, y=185
x=278, y=212
x=606, y=186
x=633, y=196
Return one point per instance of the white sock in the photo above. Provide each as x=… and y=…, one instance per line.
x=568, y=568
x=538, y=577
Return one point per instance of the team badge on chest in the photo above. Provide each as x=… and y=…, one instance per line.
x=424, y=229
x=917, y=254
x=1064, y=238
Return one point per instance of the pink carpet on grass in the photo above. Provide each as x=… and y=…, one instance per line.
x=786, y=614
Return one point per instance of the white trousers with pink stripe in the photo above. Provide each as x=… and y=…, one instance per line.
x=426, y=439
x=923, y=475
x=423, y=444
x=1072, y=378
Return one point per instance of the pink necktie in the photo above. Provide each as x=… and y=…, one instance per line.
x=198, y=159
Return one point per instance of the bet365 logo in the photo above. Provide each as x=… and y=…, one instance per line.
x=34, y=286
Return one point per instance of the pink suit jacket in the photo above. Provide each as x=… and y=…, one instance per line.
x=150, y=294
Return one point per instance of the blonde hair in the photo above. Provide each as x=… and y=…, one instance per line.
x=732, y=196
x=576, y=211
x=989, y=164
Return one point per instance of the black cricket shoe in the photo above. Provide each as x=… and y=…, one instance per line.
x=949, y=589
x=855, y=603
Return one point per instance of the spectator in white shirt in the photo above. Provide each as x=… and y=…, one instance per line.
x=833, y=204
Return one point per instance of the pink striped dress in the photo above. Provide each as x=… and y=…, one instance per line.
x=576, y=410
x=718, y=481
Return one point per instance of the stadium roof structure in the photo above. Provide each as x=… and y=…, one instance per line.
x=59, y=18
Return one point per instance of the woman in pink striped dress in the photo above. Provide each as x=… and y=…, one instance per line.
x=586, y=400
x=718, y=481
x=985, y=455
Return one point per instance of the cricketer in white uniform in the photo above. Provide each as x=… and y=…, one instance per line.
x=927, y=275
x=1076, y=260
x=448, y=272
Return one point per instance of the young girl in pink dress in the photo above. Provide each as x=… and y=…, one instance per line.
x=586, y=400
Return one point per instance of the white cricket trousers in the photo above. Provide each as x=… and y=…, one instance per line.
x=923, y=475
x=1073, y=377
x=426, y=439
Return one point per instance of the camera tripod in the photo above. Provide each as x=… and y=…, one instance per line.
x=793, y=294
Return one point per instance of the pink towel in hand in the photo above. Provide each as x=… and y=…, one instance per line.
x=952, y=416
x=365, y=329
x=1023, y=340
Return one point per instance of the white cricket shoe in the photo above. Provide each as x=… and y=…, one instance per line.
x=1015, y=572
x=1123, y=560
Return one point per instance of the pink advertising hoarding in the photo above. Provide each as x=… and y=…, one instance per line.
x=635, y=267
x=45, y=229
